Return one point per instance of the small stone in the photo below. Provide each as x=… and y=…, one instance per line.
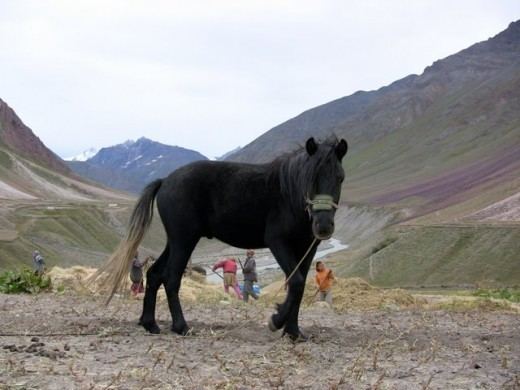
x=66, y=347
x=476, y=366
x=35, y=339
x=50, y=354
x=31, y=349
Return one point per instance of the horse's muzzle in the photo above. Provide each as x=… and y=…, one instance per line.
x=323, y=230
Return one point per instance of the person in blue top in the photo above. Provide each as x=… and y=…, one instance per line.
x=250, y=276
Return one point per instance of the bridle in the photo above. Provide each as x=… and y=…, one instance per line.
x=321, y=202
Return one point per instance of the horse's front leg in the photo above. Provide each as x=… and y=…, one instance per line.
x=291, y=326
x=287, y=313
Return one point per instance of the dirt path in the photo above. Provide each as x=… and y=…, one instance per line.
x=70, y=341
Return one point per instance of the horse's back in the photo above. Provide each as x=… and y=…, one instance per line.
x=214, y=177
x=226, y=200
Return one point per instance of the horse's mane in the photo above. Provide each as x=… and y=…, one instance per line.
x=296, y=176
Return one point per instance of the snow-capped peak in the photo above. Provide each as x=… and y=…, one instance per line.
x=83, y=156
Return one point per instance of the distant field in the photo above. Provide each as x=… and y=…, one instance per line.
x=439, y=256
x=65, y=233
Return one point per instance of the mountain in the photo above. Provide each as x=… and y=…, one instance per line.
x=130, y=166
x=83, y=156
x=29, y=170
x=425, y=138
x=432, y=194
x=484, y=73
x=227, y=154
x=45, y=206
x=18, y=138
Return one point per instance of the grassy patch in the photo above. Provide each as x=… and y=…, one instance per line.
x=441, y=256
x=23, y=281
x=486, y=304
x=5, y=160
x=508, y=294
x=383, y=244
x=48, y=175
x=86, y=227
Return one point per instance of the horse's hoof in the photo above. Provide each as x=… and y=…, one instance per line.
x=182, y=330
x=151, y=327
x=297, y=338
x=271, y=325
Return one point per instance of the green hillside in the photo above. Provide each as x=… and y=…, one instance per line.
x=67, y=233
x=434, y=150
x=440, y=256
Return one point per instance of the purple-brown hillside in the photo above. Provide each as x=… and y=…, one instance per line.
x=20, y=139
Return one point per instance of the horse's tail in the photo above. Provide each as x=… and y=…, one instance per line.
x=118, y=265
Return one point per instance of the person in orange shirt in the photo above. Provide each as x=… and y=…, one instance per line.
x=324, y=280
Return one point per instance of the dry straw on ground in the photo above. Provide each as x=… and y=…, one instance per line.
x=79, y=279
x=350, y=294
x=74, y=278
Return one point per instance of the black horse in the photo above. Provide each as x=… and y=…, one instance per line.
x=283, y=205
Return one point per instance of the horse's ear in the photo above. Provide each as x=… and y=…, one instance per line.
x=311, y=146
x=341, y=148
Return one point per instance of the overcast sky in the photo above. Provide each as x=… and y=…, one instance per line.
x=213, y=75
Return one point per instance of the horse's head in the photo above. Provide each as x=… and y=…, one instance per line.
x=325, y=185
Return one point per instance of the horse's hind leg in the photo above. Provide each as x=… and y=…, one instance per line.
x=180, y=252
x=154, y=279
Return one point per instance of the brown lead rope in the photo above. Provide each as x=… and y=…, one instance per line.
x=296, y=268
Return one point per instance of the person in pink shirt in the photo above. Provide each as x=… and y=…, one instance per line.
x=230, y=275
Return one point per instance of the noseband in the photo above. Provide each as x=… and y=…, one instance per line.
x=321, y=202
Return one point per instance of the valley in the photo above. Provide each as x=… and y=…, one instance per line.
x=431, y=196
x=389, y=133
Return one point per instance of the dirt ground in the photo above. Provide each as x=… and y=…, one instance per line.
x=69, y=341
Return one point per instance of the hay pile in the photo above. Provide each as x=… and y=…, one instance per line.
x=74, y=278
x=78, y=279
x=348, y=294
x=356, y=293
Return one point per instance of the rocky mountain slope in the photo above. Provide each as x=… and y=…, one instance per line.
x=488, y=69
x=19, y=139
x=426, y=141
x=433, y=170
x=132, y=165
x=30, y=170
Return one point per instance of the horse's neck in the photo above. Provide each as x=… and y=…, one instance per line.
x=293, y=195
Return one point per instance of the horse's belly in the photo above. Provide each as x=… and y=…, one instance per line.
x=240, y=235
